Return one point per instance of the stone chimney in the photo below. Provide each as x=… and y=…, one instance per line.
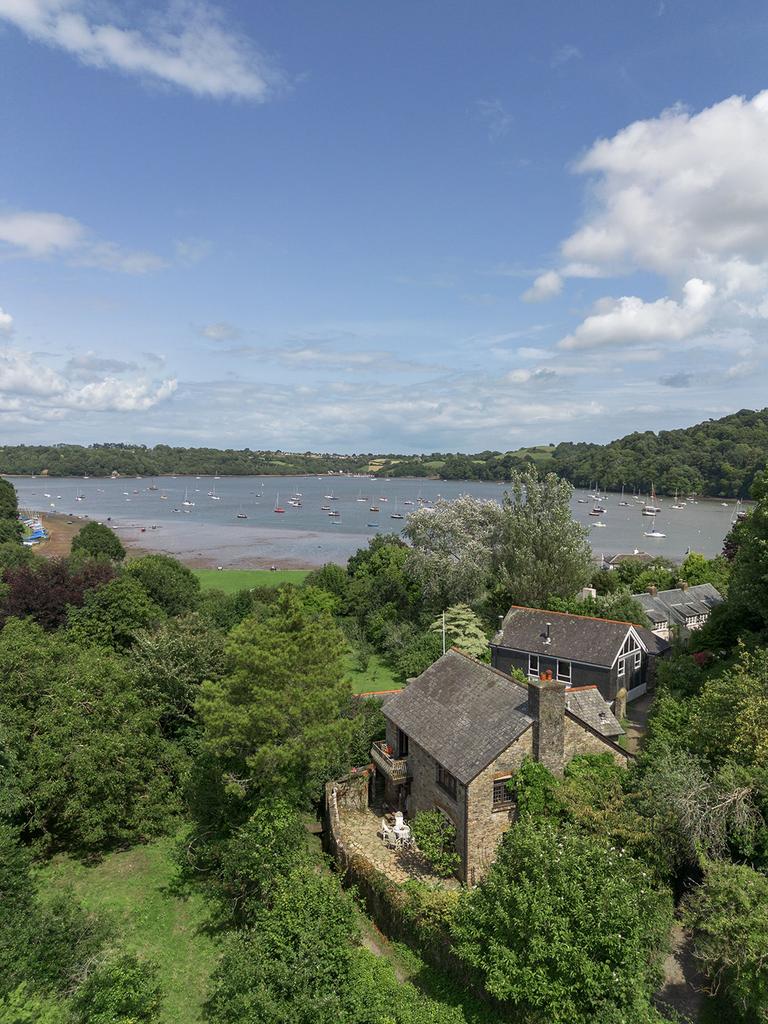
x=682, y=585
x=546, y=706
x=587, y=593
x=652, y=590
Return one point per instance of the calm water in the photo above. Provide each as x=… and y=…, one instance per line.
x=209, y=530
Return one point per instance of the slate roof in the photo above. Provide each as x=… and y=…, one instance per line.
x=579, y=638
x=674, y=606
x=461, y=712
x=587, y=703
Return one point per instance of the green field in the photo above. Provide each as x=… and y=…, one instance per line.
x=134, y=888
x=377, y=676
x=232, y=580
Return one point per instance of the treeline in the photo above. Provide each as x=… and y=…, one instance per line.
x=718, y=458
x=162, y=459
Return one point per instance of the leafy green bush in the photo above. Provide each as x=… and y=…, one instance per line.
x=728, y=913
x=565, y=928
x=435, y=837
x=123, y=990
x=96, y=539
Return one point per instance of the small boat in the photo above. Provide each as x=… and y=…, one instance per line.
x=177, y=510
x=332, y=514
x=653, y=532
x=407, y=502
x=241, y=515
x=79, y=496
x=373, y=526
x=582, y=501
x=325, y=508
x=598, y=524
x=374, y=508
x=278, y=507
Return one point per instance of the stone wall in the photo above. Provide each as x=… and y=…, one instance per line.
x=426, y=794
x=579, y=739
x=486, y=826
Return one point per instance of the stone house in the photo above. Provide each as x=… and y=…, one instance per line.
x=578, y=650
x=680, y=610
x=459, y=731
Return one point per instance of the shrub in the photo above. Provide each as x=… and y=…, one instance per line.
x=435, y=837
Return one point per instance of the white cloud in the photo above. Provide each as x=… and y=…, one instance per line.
x=497, y=118
x=90, y=366
x=631, y=321
x=6, y=323
x=109, y=256
x=220, y=331
x=546, y=286
x=565, y=54
x=188, y=46
x=682, y=195
x=40, y=234
x=29, y=385
x=543, y=374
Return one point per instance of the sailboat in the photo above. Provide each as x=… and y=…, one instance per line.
x=396, y=514
x=649, y=509
x=677, y=504
x=213, y=495
x=623, y=501
x=241, y=514
x=79, y=496
x=186, y=501
x=277, y=504
x=653, y=532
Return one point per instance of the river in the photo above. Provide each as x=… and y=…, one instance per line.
x=152, y=514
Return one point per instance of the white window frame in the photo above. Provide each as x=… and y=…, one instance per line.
x=562, y=676
x=621, y=669
x=533, y=673
x=638, y=660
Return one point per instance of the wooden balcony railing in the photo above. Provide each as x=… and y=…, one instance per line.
x=395, y=768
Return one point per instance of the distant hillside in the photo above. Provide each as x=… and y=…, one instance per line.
x=717, y=457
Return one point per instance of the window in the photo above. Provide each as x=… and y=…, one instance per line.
x=622, y=663
x=533, y=666
x=564, y=671
x=638, y=660
x=402, y=743
x=501, y=795
x=446, y=781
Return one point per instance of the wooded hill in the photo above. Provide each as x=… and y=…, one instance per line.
x=718, y=458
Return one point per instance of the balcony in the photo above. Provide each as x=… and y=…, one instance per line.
x=395, y=768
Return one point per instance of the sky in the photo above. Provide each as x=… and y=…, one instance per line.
x=432, y=225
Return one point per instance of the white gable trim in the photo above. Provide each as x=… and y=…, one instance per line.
x=633, y=633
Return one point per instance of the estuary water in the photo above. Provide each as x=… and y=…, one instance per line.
x=207, y=531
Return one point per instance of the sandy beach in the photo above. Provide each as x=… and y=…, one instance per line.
x=198, y=545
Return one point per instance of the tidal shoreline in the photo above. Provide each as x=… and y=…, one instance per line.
x=185, y=543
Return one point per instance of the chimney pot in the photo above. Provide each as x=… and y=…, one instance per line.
x=682, y=584
x=653, y=590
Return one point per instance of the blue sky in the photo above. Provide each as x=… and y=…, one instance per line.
x=408, y=226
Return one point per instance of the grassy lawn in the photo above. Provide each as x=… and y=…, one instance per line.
x=377, y=676
x=231, y=580
x=132, y=888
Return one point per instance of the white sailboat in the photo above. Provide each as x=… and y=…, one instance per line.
x=653, y=532
x=186, y=501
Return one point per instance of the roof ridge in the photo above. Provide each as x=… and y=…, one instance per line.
x=491, y=668
x=573, y=615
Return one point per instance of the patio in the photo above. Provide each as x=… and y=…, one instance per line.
x=359, y=831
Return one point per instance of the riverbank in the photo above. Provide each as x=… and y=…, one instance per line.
x=192, y=544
